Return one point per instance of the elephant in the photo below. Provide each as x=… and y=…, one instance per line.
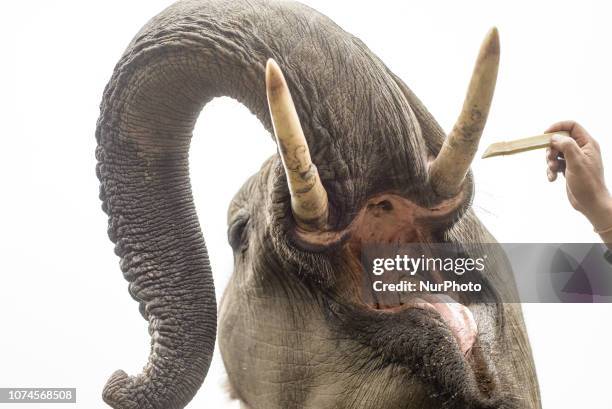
x=360, y=160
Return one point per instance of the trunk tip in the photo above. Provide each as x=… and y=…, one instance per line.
x=114, y=393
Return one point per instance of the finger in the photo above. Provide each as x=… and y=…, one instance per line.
x=552, y=176
x=554, y=165
x=567, y=146
x=552, y=154
x=561, y=126
x=576, y=131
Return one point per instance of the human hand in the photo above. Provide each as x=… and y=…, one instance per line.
x=578, y=157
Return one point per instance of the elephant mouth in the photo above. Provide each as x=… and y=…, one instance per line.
x=444, y=326
x=387, y=221
x=393, y=221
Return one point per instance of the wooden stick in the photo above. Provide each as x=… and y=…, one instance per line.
x=521, y=145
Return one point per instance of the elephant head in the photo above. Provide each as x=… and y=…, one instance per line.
x=360, y=160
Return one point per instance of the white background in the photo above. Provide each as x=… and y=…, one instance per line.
x=67, y=318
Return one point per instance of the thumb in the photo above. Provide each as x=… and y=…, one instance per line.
x=567, y=146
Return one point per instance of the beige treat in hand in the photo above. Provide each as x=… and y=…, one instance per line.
x=521, y=145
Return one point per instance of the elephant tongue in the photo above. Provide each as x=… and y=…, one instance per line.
x=457, y=317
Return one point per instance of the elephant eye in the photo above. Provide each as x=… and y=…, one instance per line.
x=237, y=232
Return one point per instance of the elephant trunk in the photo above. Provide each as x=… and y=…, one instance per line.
x=148, y=112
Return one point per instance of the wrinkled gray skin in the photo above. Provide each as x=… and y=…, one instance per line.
x=292, y=333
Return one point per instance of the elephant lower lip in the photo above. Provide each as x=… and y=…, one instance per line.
x=436, y=327
x=456, y=316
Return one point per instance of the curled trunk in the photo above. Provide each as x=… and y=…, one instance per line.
x=172, y=68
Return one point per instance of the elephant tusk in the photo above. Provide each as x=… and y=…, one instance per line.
x=309, y=201
x=448, y=170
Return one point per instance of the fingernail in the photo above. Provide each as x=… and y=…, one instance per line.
x=555, y=138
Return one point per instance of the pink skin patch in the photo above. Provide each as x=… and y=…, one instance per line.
x=456, y=316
